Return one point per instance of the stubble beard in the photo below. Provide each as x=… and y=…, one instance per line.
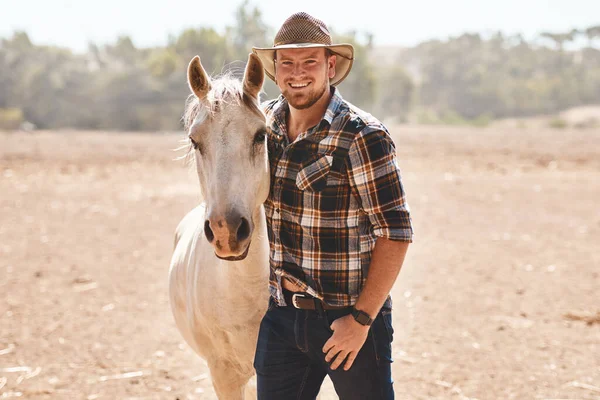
x=296, y=102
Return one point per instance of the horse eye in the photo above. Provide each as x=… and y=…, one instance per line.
x=260, y=136
x=195, y=145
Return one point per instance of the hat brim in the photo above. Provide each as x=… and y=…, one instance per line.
x=344, y=58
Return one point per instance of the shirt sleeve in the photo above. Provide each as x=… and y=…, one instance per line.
x=375, y=175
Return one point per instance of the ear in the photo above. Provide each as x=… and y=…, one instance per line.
x=331, y=66
x=198, y=80
x=254, y=76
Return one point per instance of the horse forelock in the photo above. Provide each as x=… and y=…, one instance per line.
x=225, y=89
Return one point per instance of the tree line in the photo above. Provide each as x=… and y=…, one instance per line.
x=468, y=78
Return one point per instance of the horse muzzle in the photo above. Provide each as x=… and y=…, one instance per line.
x=229, y=234
x=235, y=258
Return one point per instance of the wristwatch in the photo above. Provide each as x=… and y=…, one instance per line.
x=361, y=317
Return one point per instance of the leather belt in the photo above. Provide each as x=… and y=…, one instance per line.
x=304, y=301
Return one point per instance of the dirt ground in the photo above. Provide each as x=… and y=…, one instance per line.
x=499, y=297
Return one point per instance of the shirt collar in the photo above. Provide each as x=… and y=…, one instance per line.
x=334, y=106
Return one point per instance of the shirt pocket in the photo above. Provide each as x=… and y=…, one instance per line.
x=313, y=175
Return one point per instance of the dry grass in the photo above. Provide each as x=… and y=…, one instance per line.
x=587, y=317
x=506, y=248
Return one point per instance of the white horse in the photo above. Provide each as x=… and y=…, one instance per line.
x=218, y=279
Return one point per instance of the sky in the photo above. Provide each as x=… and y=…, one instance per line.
x=75, y=23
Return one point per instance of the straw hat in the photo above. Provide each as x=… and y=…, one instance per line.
x=304, y=31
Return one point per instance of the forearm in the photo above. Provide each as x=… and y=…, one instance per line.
x=386, y=262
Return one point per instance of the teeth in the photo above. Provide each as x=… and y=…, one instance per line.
x=298, y=85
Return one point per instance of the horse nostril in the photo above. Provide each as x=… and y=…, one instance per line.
x=243, y=231
x=208, y=232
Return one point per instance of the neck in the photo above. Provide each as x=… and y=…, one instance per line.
x=299, y=121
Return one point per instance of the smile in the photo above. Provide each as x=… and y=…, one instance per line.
x=299, y=85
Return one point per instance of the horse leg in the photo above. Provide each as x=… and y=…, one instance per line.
x=228, y=380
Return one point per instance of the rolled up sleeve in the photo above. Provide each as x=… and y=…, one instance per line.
x=374, y=175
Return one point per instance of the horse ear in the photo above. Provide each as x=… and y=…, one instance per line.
x=198, y=80
x=254, y=76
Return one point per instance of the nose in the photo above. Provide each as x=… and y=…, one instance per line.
x=227, y=232
x=297, y=69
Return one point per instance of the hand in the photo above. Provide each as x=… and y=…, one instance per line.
x=347, y=339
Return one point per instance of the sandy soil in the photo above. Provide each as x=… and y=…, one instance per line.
x=499, y=297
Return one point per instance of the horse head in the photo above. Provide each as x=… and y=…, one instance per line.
x=227, y=131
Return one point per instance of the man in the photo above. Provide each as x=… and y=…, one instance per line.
x=338, y=225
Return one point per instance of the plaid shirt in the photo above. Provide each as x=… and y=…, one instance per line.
x=334, y=190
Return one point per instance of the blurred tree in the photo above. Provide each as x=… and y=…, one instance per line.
x=162, y=63
x=5, y=79
x=395, y=93
x=14, y=53
x=560, y=39
x=213, y=49
x=19, y=42
x=359, y=87
x=468, y=77
x=592, y=33
x=123, y=53
x=249, y=30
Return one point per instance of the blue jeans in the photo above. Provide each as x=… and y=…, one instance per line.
x=290, y=363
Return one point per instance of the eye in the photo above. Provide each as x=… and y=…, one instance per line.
x=260, y=136
x=195, y=145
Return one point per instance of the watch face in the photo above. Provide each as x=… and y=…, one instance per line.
x=361, y=317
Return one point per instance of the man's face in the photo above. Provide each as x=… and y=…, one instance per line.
x=303, y=75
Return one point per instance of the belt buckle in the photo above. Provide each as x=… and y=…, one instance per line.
x=295, y=296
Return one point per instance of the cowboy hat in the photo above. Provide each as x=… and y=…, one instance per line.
x=304, y=31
